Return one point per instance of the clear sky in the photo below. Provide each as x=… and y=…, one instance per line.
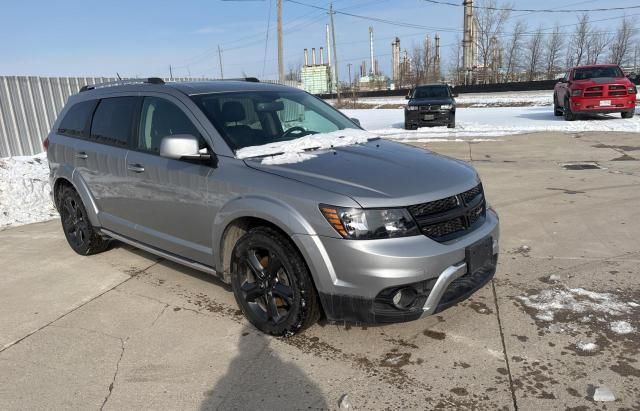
x=142, y=38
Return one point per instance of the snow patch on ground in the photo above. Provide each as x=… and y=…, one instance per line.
x=24, y=190
x=295, y=151
x=473, y=123
x=550, y=302
x=586, y=346
x=621, y=327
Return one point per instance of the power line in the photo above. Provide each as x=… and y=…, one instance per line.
x=446, y=3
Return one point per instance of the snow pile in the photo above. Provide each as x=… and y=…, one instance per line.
x=490, y=122
x=621, y=327
x=297, y=150
x=586, y=346
x=24, y=190
x=578, y=300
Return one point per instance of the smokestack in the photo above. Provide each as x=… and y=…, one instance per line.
x=321, y=56
x=371, y=51
x=395, y=59
x=313, y=56
x=306, y=57
x=377, y=69
x=437, y=48
x=468, y=39
x=328, y=47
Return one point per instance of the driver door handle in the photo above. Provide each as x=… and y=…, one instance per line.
x=82, y=155
x=136, y=168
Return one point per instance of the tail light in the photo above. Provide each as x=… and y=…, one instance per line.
x=45, y=144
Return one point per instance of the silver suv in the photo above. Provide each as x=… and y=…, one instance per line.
x=280, y=195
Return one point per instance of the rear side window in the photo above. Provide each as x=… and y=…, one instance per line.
x=76, y=122
x=113, y=120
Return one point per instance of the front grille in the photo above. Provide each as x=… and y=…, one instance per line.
x=435, y=107
x=451, y=217
x=593, y=91
x=617, y=90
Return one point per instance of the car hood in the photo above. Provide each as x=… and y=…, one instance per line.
x=380, y=173
x=430, y=101
x=602, y=80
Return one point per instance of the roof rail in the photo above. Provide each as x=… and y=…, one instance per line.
x=249, y=79
x=123, y=82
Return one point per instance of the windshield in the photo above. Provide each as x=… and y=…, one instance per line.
x=431, y=92
x=255, y=118
x=597, y=72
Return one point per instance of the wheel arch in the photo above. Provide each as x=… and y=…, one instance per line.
x=74, y=180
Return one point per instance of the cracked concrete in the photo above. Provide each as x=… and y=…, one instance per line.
x=125, y=330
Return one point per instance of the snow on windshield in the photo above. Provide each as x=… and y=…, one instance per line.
x=298, y=150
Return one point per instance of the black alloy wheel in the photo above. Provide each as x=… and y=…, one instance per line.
x=272, y=284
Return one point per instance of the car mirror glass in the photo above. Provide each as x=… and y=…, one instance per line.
x=181, y=147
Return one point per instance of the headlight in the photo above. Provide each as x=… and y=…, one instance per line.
x=412, y=108
x=632, y=90
x=576, y=93
x=446, y=106
x=370, y=224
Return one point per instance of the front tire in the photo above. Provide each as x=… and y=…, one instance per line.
x=568, y=114
x=272, y=284
x=628, y=114
x=452, y=123
x=557, y=110
x=82, y=237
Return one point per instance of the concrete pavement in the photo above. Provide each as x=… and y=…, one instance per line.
x=126, y=330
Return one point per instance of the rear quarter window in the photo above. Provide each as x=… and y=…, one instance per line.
x=113, y=121
x=76, y=122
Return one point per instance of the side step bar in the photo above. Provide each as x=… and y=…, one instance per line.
x=159, y=253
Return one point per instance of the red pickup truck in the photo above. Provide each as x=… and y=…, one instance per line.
x=595, y=89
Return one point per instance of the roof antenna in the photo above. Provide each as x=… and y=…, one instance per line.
x=118, y=74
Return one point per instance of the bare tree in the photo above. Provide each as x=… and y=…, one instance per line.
x=514, y=49
x=597, y=44
x=553, y=48
x=534, y=53
x=294, y=73
x=622, y=40
x=490, y=22
x=455, y=60
x=579, y=39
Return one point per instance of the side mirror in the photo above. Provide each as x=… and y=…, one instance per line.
x=455, y=95
x=407, y=97
x=561, y=80
x=355, y=120
x=182, y=147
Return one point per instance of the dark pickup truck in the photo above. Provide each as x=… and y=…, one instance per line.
x=430, y=105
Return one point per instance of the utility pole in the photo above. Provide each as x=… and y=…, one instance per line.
x=280, y=50
x=350, y=82
x=220, y=61
x=335, y=53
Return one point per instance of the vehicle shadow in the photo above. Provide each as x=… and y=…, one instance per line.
x=548, y=115
x=258, y=379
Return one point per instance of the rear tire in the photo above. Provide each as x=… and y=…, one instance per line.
x=409, y=127
x=452, y=123
x=557, y=110
x=628, y=114
x=272, y=284
x=568, y=114
x=82, y=237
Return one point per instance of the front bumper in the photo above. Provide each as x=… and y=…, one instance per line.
x=591, y=105
x=428, y=118
x=355, y=278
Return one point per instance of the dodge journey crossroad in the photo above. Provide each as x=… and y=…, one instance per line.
x=278, y=194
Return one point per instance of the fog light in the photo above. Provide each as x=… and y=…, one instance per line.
x=404, y=298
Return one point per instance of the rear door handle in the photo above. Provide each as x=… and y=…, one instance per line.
x=82, y=155
x=136, y=168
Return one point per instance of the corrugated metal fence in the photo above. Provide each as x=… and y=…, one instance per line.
x=30, y=105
